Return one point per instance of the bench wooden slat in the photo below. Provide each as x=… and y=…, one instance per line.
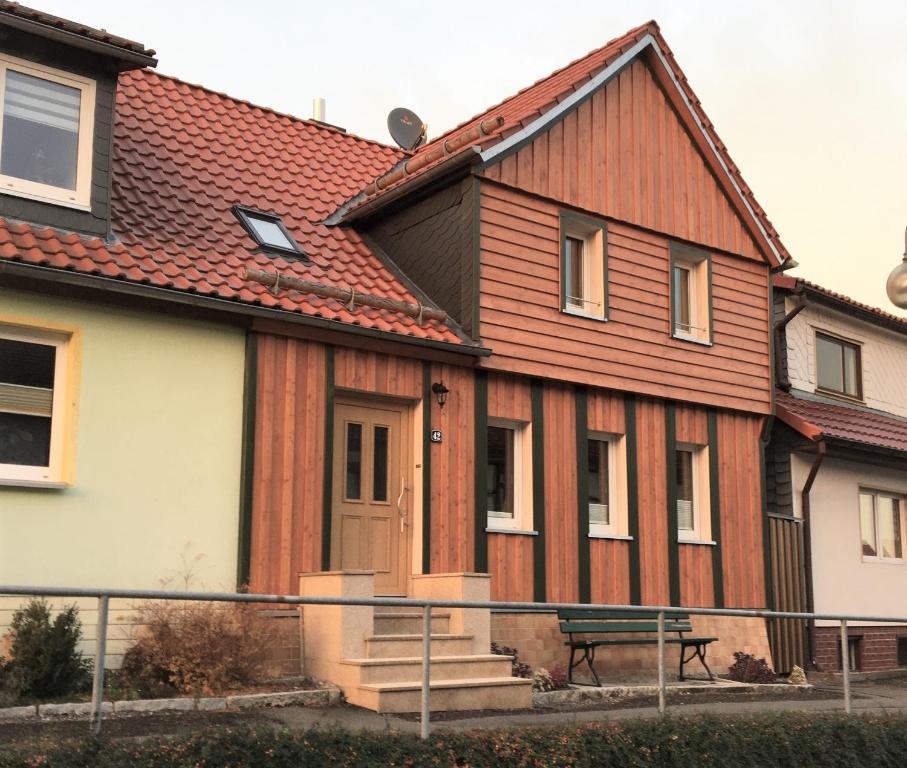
x=641, y=641
x=576, y=627
x=591, y=614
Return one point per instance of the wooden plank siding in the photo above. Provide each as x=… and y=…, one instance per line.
x=625, y=154
x=377, y=373
x=520, y=317
x=653, y=502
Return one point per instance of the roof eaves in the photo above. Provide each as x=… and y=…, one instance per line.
x=648, y=40
x=798, y=423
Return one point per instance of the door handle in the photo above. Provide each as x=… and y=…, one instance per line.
x=401, y=510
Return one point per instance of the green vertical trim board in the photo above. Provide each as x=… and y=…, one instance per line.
x=327, y=482
x=632, y=499
x=715, y=506
x=582, y=486
x=538, y=490
x=481, y=471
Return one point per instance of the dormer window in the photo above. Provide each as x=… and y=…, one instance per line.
x=267, y=230
x=47, y=132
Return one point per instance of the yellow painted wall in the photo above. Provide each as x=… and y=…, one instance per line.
x=157, y=456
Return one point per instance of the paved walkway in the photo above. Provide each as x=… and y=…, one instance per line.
x=888, y=696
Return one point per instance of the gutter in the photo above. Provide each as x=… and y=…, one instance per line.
x=60, y=277
x=134, y=59
x=821, y=449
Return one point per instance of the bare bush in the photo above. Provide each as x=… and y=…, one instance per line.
x=197, y=649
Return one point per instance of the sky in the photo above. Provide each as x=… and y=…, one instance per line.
x=809, y=96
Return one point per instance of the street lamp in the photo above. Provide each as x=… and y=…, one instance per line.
x=897, y=281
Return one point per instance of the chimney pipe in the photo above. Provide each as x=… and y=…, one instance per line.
x=318, y=109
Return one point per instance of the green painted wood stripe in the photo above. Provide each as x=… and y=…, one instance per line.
x=582, y=467
x=632, y=499
x=538, y=489
x=481, y=471
x=426, y=467
x=715, y=504
x=247, y=467
x=327, y=482
x=671, y=461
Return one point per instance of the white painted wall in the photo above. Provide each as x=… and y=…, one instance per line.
x=884, y=355
x=842, y=581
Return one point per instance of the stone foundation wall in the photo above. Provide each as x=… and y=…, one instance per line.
x=539, y=642
x=877, y=647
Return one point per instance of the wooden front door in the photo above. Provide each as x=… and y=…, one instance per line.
x=370, y=528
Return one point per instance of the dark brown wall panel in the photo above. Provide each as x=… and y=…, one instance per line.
x=625, y=154
x=634, y=351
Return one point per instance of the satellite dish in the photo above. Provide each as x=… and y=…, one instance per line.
x=406, y=128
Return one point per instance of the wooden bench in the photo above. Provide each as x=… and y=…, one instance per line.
x=609, y=623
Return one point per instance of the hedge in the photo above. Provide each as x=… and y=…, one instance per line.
x=762, y=741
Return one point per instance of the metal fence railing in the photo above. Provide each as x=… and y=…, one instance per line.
x=104, y=596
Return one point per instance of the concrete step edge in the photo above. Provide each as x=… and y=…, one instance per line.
x=407, y=660
x=417, y=636
x=473, y=682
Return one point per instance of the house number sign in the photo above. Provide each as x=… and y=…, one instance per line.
x=436, y=436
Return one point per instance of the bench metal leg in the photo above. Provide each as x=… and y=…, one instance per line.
x=699, y=651
x=588, y=656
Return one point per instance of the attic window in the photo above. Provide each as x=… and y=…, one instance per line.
x=267, y=230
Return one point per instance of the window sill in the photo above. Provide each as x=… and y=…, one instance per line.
x=692, y=340
x=512, y=531
x=699, y=542
x=7, y=190
x=612, y=536
x=53, y=485
x=839, y=396
x=885, y=561
x=587, y=315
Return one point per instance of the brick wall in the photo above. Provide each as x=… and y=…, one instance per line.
x=877, y=647
x=539, y=642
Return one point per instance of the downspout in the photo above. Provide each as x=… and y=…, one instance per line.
x=780, y=375
x=807, y=550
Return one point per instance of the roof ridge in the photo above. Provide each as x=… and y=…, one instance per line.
x=271, y=110
x=628, y=34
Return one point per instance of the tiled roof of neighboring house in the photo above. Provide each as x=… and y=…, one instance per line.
x=858, y=308
x=17, y=11
x=818, y=420
x=521, y=109
x=183, y=157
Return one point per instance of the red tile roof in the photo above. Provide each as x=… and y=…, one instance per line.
x=74, y=28
x=820, y=420
x=183, y=157
x=867, y=311
x=524, y=107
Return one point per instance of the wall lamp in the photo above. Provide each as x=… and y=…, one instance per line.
x=441, y=392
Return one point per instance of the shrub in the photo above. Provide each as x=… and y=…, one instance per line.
x=45, y=661
x=517, y=667
x=555, y=680
x=196, y=648
x=748, y=669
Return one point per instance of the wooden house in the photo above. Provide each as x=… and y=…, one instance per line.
x=585, y=425
x=835, y=486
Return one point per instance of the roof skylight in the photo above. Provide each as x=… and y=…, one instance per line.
x=267, y=230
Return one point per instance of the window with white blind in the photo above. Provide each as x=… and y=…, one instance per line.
x=509, y=475
x=606, y=482
x=32, y=413
x=692, y=493
x=584, y=272
x=46, y=132
x=691, y=294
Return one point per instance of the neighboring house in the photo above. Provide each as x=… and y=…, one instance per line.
x=586, y=425
x=837, y=482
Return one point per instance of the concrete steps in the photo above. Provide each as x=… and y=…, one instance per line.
x=400, y=622
x=394, y=646
x=446, y=695
x=409, y=670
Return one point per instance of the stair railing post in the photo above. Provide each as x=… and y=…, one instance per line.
x=425, y=724
x=845, y=665
x=97, y=687
x=662, y=693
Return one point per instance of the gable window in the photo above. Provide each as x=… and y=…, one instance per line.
x=46, y=133
x=838, y=366
x=691, y=294
x=267, y=230
x=32, y=392
x=583, y=266
x=509, y=496
x=692, y=493
x=606, y=484
x=881, y=526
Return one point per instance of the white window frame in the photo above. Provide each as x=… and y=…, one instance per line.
x=619, y=525
x=522, y=479
x=593, y=235
x=80, y=197
x=902, y=522
x=22, y=474
x=698, y=264
x=702, y=512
